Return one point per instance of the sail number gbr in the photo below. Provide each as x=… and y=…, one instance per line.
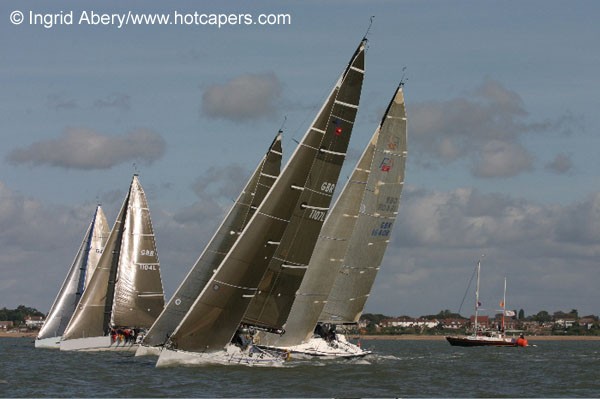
x=319, y=214
x=147, y=266
x=383, y=230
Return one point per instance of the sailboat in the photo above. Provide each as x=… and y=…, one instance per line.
x=240, y=213
x=482, y=337
x=125, y=293
x=78, y=277
x=287, y=223
x=351, y=246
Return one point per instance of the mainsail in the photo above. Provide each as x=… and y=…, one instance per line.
x=240, y=213
x=371, y=195
x=79, y=274
x=271, y=305
x=376, y=217
x=302, y=192
x=126, y=288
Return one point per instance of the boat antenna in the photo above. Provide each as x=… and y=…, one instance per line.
x=283, y=124
x=404, y=78
x=135, y=169
x=369, y=28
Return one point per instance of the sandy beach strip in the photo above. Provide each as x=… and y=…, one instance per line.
x=4, y=334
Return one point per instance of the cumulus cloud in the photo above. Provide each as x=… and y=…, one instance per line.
x=80, y=148
x=466, y=217
x=548, y=252
x=485, y=127
x=247, y=97
x=502, y=159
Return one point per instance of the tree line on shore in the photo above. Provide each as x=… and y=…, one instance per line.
x=18, y=316
x=559, y=322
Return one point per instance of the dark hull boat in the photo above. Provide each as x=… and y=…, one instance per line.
x=482, y=337
x=481, y=340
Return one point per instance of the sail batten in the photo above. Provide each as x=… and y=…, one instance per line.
x=343, y=154
x=355, y=106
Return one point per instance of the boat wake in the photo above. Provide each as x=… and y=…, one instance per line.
x=231, y=355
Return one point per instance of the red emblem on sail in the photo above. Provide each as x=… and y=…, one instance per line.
x=386, y=164
x=338, y=128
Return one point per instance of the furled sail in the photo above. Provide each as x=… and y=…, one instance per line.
x=240, y=213
x=302, y=191
x=76, y=281
x=276, y=293
x=93, y=316
x=376, y=218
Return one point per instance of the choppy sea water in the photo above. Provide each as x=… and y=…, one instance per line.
x=397, y=369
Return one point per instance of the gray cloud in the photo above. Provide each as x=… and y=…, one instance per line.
x=61, y=102
x=548, y=252
x=247, y=97
x=216, y=189
x=80, y=148
x=38, y=240
x=561, y=164
x=484, y=127
x=118, y=101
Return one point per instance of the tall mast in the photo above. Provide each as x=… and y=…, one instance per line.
x=477, y=295
x=503, y=304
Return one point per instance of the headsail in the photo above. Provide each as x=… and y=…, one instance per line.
x=139, y=297
x=302, y=191
x=94, y=314
x=249, y=199
x=375, y=221
x=82, y=268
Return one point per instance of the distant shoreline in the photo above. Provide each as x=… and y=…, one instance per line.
x=414, y=337
x=403, y=337
x=4, y=334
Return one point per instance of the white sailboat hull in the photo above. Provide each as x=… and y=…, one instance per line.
x=230, y=355
x=48, y=343
x=145, y=350
x=95, y=344
x=318, y=347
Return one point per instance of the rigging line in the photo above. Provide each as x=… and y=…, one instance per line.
x=467, y=290
x=369, y=28
x=404, y=78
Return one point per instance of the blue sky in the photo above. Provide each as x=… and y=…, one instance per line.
x=502, y=101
